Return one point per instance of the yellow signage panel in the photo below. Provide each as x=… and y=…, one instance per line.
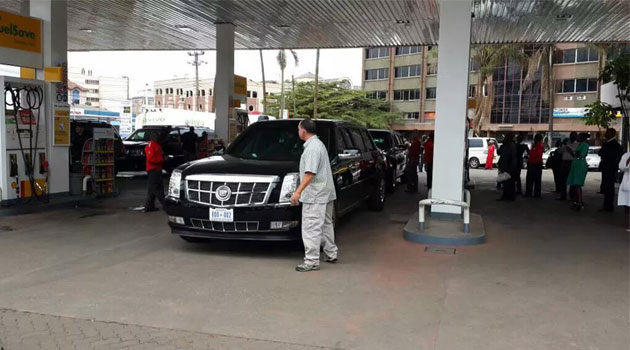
x=27, y=73
x=53, y=74
x=240, y=85
x=62, y=125
x=20, y=33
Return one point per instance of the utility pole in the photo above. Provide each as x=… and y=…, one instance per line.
x=196, y=63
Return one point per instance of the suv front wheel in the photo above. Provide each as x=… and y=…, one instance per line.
x=377, y=199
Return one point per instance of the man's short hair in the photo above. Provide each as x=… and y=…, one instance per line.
x=610, y=133
x=192, y=129
x=309, y=125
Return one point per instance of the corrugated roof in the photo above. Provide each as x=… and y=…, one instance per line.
x=272, y=24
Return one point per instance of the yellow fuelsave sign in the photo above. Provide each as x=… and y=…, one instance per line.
x=19, y=32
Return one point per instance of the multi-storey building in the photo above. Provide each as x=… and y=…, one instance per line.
x=179, y=93
x=96, y=92
x=407, y=78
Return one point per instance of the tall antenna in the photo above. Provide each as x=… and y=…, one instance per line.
x=196, y=63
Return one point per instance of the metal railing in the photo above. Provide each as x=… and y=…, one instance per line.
x=465, y=205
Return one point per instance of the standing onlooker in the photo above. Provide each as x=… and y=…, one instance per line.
x=428, y=160
x=534, y=168
x=490, y=157
x=555, y=163
x=155, y=161
x=423, y=139
x=521, y=149
x=412, y=165
x=189, y=145
x=205, y=146
x=624, y=188
x=317, y=194
x=567, y=159
x=508, y=164
x=610, y=154
x=219, y=147
x=579, y=169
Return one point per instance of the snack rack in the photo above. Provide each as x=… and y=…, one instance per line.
x=97, y=159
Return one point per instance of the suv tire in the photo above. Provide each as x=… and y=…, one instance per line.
x=391, y=183
x=473, y=163
x=377, y=199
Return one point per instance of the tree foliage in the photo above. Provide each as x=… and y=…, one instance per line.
x=599, y=114
x=335, y=102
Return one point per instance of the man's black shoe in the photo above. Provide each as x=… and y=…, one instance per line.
x=330, y=260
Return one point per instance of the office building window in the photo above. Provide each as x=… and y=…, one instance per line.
x=92, y=99
x=407, y=95
x=577, y=85
x=376, y=74
x=474, y=66
x=91, y=81
x=75, y=97
x=255, y=94
x=431, y=93
x=472, y=91
x=380, y=95
x=432, y=68
x=412, y=115
x=408, y=50
x=376, y=52
x=407, y=71
x=581, y=54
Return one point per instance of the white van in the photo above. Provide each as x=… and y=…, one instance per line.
x=478, y=151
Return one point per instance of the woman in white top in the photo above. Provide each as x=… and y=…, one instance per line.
x=624, y=189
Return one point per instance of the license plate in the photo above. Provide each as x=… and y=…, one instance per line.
x=221, y=215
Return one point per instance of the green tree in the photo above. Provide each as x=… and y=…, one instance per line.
x=599, y=114
x=617, y=70
x=282, y=62
x=335, y=102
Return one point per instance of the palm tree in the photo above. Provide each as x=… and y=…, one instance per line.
x=262, y=67
x=282, y=62
x=488, y=58
x=315, y=98
x=541, y=58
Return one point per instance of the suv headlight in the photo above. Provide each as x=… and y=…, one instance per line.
x=175, y=183
x=289, y=185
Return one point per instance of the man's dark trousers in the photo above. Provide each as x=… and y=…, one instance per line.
x=608, y=187
x=564, y=176
x=533, y=180
x=155, y=189
x=429, y=168
x=412, y=176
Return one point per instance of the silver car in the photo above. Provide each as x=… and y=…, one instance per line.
x=592, y=158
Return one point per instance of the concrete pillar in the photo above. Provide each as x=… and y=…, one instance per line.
x=55, y=49
x=451, y=106
x=224, y=79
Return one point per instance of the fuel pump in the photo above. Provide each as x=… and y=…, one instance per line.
x=23, y=132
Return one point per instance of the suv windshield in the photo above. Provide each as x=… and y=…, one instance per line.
x=143, y=134
x=275, y=141
x=381, y=139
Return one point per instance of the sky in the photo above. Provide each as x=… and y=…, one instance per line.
x=147, y=66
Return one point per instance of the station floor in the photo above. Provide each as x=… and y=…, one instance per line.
x=104, y=277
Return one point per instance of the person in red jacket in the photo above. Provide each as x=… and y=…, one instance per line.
x=155, y=161
x=428, y=160
x=490, y=157
x=534, y=168
x=412, y=165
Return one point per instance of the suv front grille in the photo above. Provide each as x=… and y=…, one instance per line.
x=244, y=190
x=237, y=226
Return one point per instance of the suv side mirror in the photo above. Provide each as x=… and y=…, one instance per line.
x=349, y=154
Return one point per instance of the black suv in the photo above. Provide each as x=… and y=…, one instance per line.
x=395, y=151
x=245, y=193
x=170, y=139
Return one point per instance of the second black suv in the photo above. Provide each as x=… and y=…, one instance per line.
x=245, y=193
x=395, y=151
x=170, y=139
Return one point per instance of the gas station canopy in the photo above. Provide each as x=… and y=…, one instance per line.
x=273, y=24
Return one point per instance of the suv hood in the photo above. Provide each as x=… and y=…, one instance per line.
x=135, y=143
x=227, y=164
